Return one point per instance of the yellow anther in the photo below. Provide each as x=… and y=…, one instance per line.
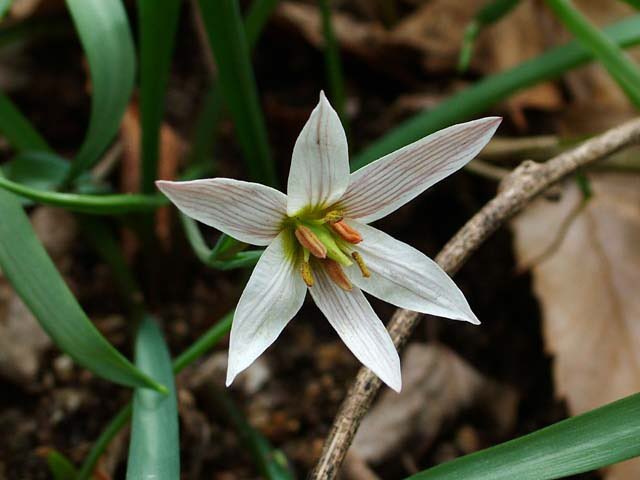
x=310, y=241
x=333, y=216
x=336, y=273
x=346, y=232
x=307, y=276
x=361, y=265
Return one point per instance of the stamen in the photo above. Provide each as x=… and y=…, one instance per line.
x=336, y=273
x=307, y=276
x=346, y=232
x=310, y=241
x=333, y=216
x=361, y=265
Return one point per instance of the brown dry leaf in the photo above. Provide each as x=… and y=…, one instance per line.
x=437, y=384
x=172, y=148
x=588, y=290
x=591, y=86
x=513, y=40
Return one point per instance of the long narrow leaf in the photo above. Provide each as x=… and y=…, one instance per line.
x=106, y=38
x=491, y=90
x=606, y=435
x=158, y=20
x=154, y=450
x=236, y=80
x=201, y=346
x=34, y=277
x=17, y=129
x=619, y=66
x=333, y=65
x=94, y=204
x=60, y=466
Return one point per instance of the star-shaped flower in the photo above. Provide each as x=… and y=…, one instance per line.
x=319, y=239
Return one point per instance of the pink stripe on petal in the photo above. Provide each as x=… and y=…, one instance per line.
x=388, y=183
x=250, y=212
x=351, y=315
x=319, y=172
x=274, y=294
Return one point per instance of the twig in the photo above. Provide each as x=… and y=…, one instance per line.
x=517, y=190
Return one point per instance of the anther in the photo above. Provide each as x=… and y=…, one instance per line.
x=307, y=276
x=333, y=216
x=361, y=265
x=346, y=232
x=310, y=241
x=336, y=273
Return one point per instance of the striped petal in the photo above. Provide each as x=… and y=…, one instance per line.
x=249, y=212
x=405, y=277
x=359, y=327
x=319, y=172
x=274, y=294
x=385, y=185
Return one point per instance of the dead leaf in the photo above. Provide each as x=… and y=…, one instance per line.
x=437, y=385
x=588, y=291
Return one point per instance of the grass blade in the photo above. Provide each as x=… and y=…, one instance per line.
x=154, y=449
x=212, y=110
x=592, y=440
x=236, y=80
x=158, y=20
x=333, y=64
x=17, y=129
x=271, y=463
x=60, y=466
x=34, y=277
x=619, y=66
x=491, y=90
x=106, y=38
x=201, y=346
x=94, y=204
x=487, y=15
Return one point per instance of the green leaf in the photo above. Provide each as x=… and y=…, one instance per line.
x=333, y=65
x=201, y=346
x=211, y=112
x=94, y=204
x=220, y=256
x=158, y=20
x=17, y=129
x=487, y=15
x=272, y=463
x=491, y=90
x=154, y=449
x=34, y=277
x=619, y=66
x=592, y=440
x=236, y=80
x=60, y=466
x=106, y=38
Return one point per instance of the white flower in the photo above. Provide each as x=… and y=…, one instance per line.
x=318, y=239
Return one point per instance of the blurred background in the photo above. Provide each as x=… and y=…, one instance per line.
x=556, y=290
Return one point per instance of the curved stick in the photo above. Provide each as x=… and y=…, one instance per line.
x=516, y=191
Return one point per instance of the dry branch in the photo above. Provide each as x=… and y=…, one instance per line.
x=517, y=190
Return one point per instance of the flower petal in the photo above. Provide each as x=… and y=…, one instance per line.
x=319, y=172
x=359, y=327
x=385, y=185
x=405, y=277
x=249, y=212
x=274, y=294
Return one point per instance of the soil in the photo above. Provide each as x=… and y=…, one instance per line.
x=309, y=370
